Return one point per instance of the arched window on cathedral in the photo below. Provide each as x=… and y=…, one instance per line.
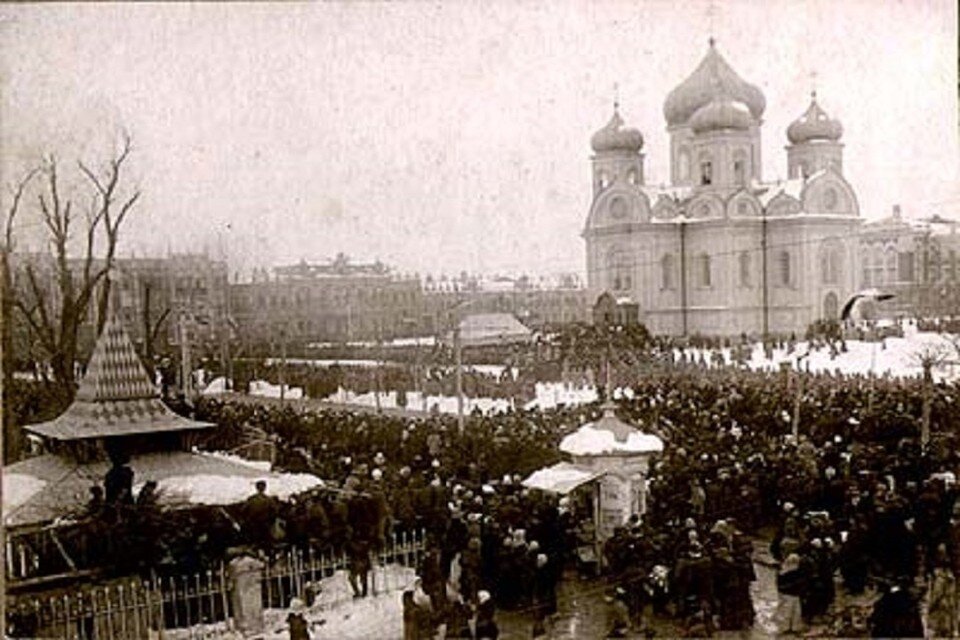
x=891, y=265
x=666, y=271
x=618, y=268
x=878, y=271
x=706, y=172
x=830, y=265
x=632, y=177
x=783, y=265
x=745, y=276
x=704, y=270
x=866, y=279
x=739, y=169
x=683, y=168
x=603, y=180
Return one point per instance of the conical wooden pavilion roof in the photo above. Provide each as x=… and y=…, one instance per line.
x=116, y=396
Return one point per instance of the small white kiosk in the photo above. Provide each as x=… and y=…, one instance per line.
x=617, y=456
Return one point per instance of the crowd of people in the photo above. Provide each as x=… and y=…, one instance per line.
x=854, y=495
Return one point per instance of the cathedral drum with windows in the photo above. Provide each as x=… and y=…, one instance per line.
x=720, y=251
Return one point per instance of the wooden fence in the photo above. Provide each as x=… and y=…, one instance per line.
x=199, y=605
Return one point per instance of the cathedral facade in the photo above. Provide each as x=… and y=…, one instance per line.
x=720, y=251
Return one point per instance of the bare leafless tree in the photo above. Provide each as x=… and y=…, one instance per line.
x=106, y=198
x=151, y=327
x=55, y=309
x=11, y=436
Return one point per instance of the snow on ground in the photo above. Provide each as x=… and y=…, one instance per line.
x=377, y=616
x=417, y=402
x=18, y=489
x=264, y=389
x=217, y=385
x=897, y=357
x=550, y=395
x=485, y=369
x=259, y=465
x=220, y=490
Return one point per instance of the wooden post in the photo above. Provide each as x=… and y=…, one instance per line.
x=458, y=349
x=245, y=573
x=927, y=402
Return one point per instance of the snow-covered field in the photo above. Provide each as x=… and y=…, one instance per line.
x=264, y=389
x=485, y=369
x=896, y=357
x=377, y=616
x=416, y=401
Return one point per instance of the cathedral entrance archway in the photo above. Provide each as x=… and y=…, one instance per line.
x=831, y=307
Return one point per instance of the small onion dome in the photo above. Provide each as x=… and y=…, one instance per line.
x=721, y=113
x=614, y=138
x=815, y=124
x=700, y=88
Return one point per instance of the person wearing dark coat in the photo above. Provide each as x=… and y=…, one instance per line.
x=260, y=512
x=486, y=626
x=896, y=615
x=458, y=620
x=409, y=615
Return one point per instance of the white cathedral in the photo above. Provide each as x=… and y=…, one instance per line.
x=720, y=251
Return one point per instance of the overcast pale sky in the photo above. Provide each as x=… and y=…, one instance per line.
x=446, y=136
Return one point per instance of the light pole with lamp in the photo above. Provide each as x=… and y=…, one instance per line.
x=873, y=295
x=682, y=221
x=454, y=312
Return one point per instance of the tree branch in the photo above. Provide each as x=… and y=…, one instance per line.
x=156, y=327
x=15, y=207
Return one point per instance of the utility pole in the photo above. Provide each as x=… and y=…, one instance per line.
x=283, y=364
x=763, y=277
x=683, y=272
x=186, y=367
x=376, y=369
x=927, y=401
x=458, y=353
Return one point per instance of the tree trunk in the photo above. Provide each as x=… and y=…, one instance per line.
x=11, y=430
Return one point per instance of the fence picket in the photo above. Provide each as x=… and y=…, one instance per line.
x=173, y=602
x=225, y=597
x=200, y=601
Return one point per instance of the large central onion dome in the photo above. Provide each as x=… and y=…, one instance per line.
x=613, y=137
x=719, y=114
x=701, y=87
x=814, y=124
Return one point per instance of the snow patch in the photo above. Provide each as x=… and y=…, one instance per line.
x=222, y=490
x=588, y=441
x=18, y=489
x=259, y=465
x=264, y=389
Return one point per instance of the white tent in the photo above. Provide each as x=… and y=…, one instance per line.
x=485, y=329
x=561, y=478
